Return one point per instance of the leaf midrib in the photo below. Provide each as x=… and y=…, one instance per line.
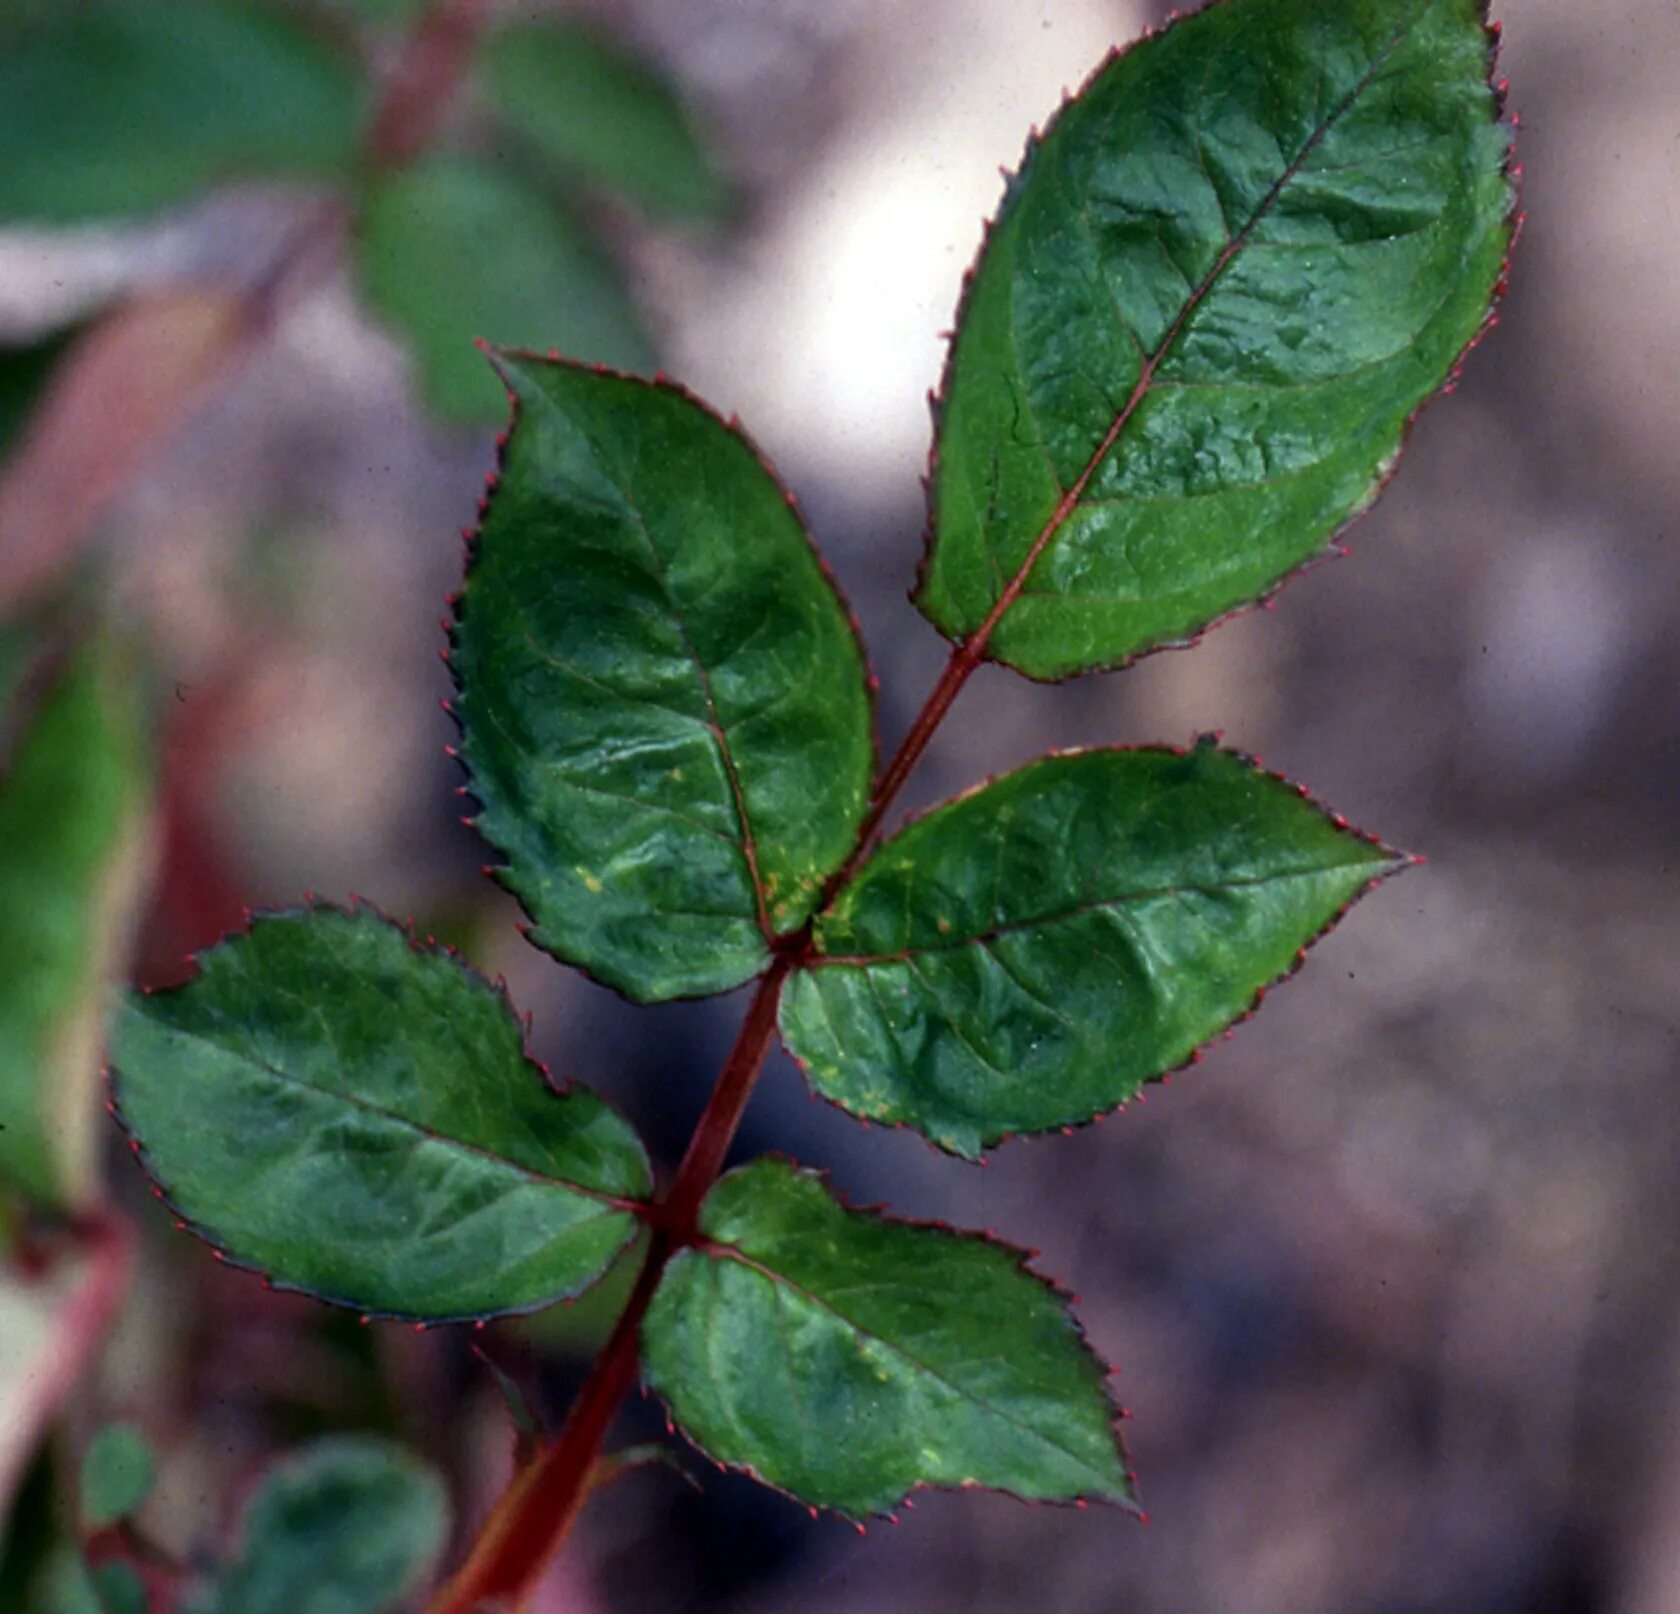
x=718, y=1249
x=367, y=1106
x=714, y=719
x=905, y=955
x=1073, y=498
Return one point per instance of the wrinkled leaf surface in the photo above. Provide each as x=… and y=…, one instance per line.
x=847, y=1358
x=662, y=698
x=1029, y=955
x=357, y=1117
x=1219, y=287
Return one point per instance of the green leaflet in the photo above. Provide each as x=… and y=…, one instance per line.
x=74, y=858
x=1029, y=955
x=117, y=1475
x=69, y=1586
x=110, y=107
x=120, y=1589
x=662, y=699
x=357, y=1118
x=1220, y=286
x=450, y=250
x=594, y=113
x=847, y=1358
x=349, y=1526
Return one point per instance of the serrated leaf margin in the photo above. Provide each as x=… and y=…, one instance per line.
x=456, y=604
x=1398, y=863
x=1023, y=1259
x=1333, y=548
x=357, y=906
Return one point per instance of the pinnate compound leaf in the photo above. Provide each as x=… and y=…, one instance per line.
x=75, y=854
x=117, y=1475
x=357, y=1117
x=1219, y=288
x=847, y=1358
x=663, y=701
x=452, y=250
x=1029, y=955
x=110, y=107
x=595, y=113
x=349, y=1526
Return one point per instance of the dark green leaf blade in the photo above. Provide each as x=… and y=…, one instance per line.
x=349, y=1526
x=114, y=108
x=1220, y=287
x=596, y=113
x=357, y=1118
x=663, y=701
x=117, y=1475
x=847, y=1358
x=75, y=856
x=451, y=250
x=1029, y=955
x=24, y=374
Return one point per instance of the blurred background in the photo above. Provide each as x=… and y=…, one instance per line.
x=1391, y=1279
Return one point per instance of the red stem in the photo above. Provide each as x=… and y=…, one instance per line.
x=964, y=659
x=434, y=62
x=716, y=1128
x=531, y=1520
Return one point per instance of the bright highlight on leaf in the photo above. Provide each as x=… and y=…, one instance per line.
x=350, y=1526
x=452, y=250
x=1222, y=283
x=1029, y=955
x=847, y=1358
x=357, y=1117
x=110, y=108
x=662, y=698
